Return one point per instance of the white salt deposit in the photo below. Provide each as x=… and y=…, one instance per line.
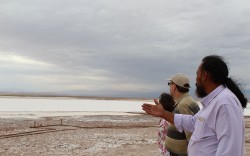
x=38, y=107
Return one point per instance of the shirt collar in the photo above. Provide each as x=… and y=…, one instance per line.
x=206, y=100
x=180, y=98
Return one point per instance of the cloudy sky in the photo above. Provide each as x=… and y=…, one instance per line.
x=117, y=47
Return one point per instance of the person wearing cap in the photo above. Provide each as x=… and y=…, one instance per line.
x=177, y=142
x=218, y=128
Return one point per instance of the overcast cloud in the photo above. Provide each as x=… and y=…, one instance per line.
x=117, y=47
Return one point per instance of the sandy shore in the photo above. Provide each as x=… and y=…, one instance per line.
x=86, y=135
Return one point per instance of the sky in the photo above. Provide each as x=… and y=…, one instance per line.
x=117, y=47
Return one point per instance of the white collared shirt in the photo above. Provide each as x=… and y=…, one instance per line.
x=218, y=127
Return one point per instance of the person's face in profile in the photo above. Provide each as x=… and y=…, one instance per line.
x=171, y=85
x=200, y=90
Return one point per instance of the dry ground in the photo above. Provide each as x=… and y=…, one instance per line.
x=96, y=135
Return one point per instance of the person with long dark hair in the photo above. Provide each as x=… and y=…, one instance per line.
x=167, y=102
x=218, y=128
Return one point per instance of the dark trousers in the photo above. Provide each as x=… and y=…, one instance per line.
x=173, y=154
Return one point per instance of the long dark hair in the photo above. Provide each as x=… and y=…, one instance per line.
x=167, y=102
x=218, y=69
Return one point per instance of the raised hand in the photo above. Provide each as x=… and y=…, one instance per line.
x=155, y=110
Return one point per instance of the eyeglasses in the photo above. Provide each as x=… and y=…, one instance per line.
x=169, y=83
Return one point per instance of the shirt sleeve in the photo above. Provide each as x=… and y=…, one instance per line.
x=184, y=122
x=230, y=131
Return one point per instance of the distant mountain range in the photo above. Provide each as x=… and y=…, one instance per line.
x=117, y=95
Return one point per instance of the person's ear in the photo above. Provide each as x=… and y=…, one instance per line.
x=204, y=75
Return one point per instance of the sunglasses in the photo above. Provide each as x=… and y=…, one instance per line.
x=169, y=83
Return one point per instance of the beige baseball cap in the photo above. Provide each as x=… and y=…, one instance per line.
x=180, y=80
